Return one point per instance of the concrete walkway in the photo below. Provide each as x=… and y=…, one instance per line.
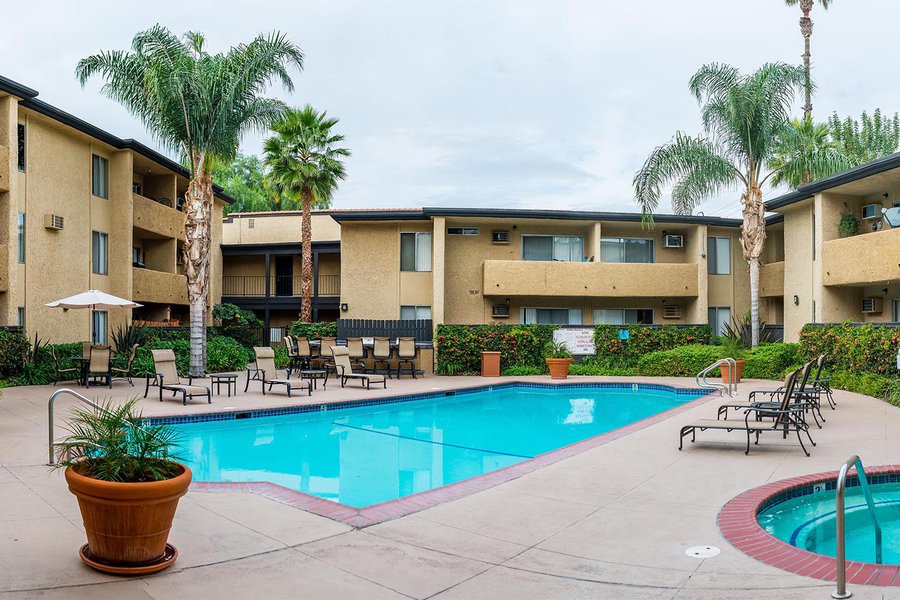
x=611, y=522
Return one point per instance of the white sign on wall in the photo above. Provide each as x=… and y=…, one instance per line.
x=578, y=340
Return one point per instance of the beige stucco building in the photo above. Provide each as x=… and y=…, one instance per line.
x=83, y=209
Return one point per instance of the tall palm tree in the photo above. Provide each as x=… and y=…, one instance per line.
x=198, y=104
x=304, y=162
x=804, y=151
x=806, y=29
x=743, y=117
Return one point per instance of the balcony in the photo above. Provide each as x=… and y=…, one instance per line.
x=589, y=279
x=158, y=287
x=771, y=280
x=865, y=259
x=152, y=216
x=4, y=168
x=254, y=286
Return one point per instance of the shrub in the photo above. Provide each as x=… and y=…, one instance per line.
x=770, y=361
x=143, y=361
x=14, y=349
x=685, y=361
x=520, y=370
x=313, y=331
x=643, y=340
x=240, y=324
x=863, y=349
x=459, y=347
x=869, y=384
x=595, y=368
x=226, y=354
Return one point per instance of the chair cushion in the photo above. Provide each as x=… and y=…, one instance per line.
x=191, y=390
x=730, y=424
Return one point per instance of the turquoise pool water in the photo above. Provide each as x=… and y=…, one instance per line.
x=367, y=455
x=807, y=522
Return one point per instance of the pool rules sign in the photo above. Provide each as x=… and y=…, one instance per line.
x=578, y=340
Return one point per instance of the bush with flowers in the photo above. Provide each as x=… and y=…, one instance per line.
x=858, y=349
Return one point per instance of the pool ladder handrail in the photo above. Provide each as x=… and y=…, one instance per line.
x=730, y=388
x=50, y=404
x=840, y=487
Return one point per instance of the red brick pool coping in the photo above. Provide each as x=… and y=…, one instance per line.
x=385, y=511
x=738, y=524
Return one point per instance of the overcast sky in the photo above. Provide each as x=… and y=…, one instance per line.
x=489, y=103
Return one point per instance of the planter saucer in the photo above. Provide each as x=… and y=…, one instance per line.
x=148, y=568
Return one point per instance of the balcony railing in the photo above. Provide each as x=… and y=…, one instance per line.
x=285, y=286
x=869, y=259
x=771, y=280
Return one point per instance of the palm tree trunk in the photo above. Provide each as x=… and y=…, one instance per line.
x=806, y=27
x=197, y=236
x=306, y=262
x=753, y=239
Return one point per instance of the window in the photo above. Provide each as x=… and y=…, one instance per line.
x=415, y=251
x=100, y=253
x=21, y=240
x=100, y=177
x=718, y=318
x=20, y=316
x=552, y=316
x=462, y=231
x=21, y=144
x=621, y=316
x=718, y=255
x=98, y=327
x=564, y=248
x=895, y=311
x=137, y=256
x=413, y=313
x=626, y=250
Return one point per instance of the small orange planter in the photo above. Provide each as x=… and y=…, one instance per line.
x=127, y=524
x=726, y=371
x=559, y=367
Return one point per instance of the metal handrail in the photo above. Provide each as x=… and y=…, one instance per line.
x=853, y=461
x=730, y=389
x=60, y=392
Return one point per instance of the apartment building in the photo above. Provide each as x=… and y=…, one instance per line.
x=83, y=209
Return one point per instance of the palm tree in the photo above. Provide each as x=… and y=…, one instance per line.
x=805, y=151
x=304, y=165
x=197, y=104
x=743, y=117
x=806, y=28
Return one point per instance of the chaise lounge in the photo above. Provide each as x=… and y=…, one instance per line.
x=345, y=369
x=267, y=373
x=166, y=377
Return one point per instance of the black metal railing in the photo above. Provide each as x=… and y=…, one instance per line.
x=279, y=285
x=421, y=329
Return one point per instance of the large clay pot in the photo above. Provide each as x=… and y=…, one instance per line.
x=559, y=367
x=127, y=524
x=726, y=371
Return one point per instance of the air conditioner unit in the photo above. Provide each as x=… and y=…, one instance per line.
x=673, y=241
x=871, y=306
x=500, y=237
x=53, y=221
x=500, y=311
x=671, y=311
x=871, y=211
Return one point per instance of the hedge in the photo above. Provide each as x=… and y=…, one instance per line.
x=862, y=349
x=14, y=349
x=770, y=361
x=459, y=347
x=685, y=361
x=313, y=331
x=643, y=340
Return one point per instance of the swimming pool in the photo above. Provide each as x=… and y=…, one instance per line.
x=807, y=521
x=391, y=448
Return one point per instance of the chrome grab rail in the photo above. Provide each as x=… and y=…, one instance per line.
x=60, y=392
x=853, y=461
x=730, y=389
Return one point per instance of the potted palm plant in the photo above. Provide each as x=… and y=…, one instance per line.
x=128, y=481
x=558, y=359
x=733, y=349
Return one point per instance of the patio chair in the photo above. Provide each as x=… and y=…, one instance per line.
x=357, y=352
x=267, y=374
x=86, y=350
x=166, y=378
x=784, y=420
x=326, y=360
x=126, y=374
x=63, y=373
x=823, y=384
x=381, y=355
x=99, y=366
x=804, y=397
x=345, y=369
x=406, y=355
x=304, y=352
x=293, y=361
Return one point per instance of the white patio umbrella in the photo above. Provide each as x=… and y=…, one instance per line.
x=93, y=299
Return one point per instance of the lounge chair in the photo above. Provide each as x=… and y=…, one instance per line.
x=783, y=419
x=823, y=384
x=406, y=355
x=804, y=397
x=267, y=374
x=381, y=355
x=345, y=369
x=99, y=366
x=126, y=373
x=166, y=378
x=63, y=373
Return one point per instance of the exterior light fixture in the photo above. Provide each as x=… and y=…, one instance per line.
x=796, y=300
x=344, y=307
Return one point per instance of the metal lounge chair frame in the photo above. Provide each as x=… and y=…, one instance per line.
x=345, y=369
x=267, y=373
x=166, y=372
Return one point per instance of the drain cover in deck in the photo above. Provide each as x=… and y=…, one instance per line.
x=702, y=551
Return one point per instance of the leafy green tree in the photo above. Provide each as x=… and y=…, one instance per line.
x=867, y=139
x=806, y=29
x=243, y=179
x=743, y=117
x=305, y=164
x=198, y=104
x=805, y=151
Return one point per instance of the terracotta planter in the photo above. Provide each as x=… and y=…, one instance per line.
x=127, y=524
x=559, y=367
x=726, y=371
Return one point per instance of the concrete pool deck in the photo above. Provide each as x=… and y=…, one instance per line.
x=610, y=522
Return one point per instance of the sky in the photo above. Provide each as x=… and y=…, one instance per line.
x=488, y=103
